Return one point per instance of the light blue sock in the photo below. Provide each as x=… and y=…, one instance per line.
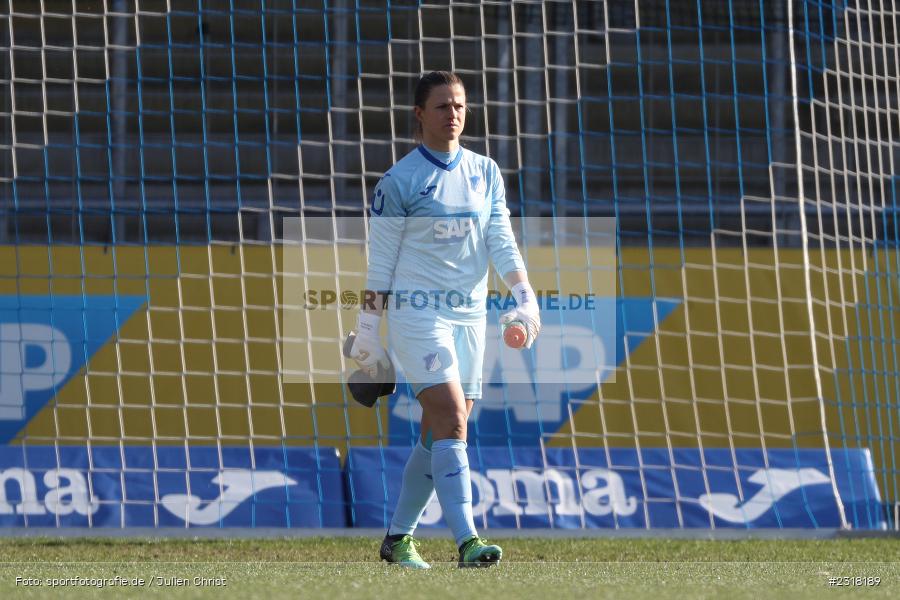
x=415, y=493
x=450, y=467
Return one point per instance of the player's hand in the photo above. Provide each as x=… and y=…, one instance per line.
x=367, y=350
x=530, y=316
x=528, y=312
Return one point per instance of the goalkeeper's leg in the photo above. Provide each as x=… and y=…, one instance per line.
x=416, y=490
x=447, y=411
x=415, y=494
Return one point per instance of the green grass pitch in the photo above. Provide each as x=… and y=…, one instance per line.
x=347, y=568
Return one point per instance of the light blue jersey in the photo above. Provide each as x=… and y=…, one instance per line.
x=433, y=228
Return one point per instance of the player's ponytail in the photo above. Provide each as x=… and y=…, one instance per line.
x=426, y=83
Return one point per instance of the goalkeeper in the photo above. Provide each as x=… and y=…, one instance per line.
x=437, y=217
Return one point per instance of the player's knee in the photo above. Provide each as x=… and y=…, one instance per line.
x=455, y=425
x=450, y=425
x=446, y=414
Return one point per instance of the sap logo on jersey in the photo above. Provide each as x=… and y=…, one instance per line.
x=453, y=229
x=44, y=341
x=524, y=492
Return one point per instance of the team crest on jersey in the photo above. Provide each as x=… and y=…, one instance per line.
x=432, y=362
x=477, y=184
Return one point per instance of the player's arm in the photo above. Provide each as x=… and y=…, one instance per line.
x=508, y=261
x=386, y=224
x=387, y=217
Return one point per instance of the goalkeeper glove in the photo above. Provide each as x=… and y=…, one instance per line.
x=527, y=311
x=366, y=349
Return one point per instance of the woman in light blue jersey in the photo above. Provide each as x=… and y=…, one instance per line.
x=438, y=217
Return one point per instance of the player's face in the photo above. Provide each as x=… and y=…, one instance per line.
x=443, y=117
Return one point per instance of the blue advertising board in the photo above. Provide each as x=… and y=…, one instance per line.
x=170, y=487
x=624, y=488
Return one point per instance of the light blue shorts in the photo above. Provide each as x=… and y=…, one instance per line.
x=433, y=350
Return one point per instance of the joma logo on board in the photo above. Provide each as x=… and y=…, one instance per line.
x=518, y=492
x=67, y=493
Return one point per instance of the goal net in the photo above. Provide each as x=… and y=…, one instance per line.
x=704, y=194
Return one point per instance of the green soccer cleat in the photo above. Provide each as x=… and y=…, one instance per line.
x=402, y=550
x=476, y=552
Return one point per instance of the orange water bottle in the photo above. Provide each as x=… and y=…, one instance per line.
x=514, y=334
